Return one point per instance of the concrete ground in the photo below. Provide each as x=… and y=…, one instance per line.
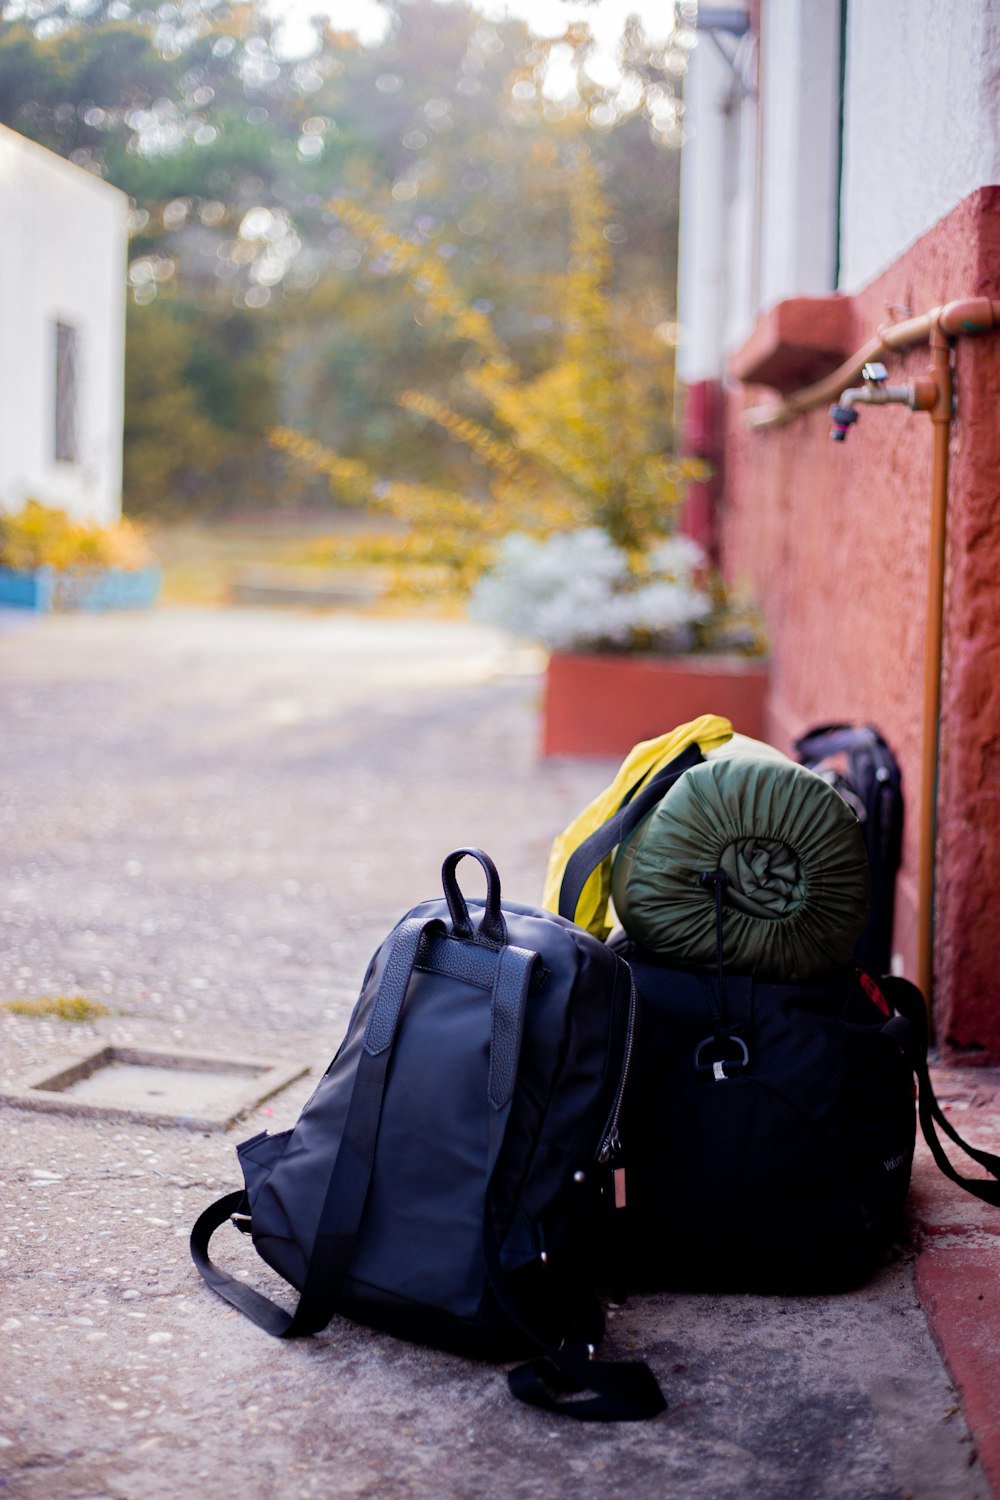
x=209, y=821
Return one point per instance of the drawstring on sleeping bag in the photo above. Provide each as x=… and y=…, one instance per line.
x=718, y=880
x=722, y=1038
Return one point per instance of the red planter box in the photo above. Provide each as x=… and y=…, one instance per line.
x=604, y=704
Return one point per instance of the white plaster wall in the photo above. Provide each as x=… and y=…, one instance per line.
x=921, y=125
x=758, y=178
x=799, y=88
x=62, y=258
x=702, y=263
x=743, y=229
x=716, y=261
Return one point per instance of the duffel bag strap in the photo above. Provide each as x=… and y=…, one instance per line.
x=913, y=1038
x=585, y=859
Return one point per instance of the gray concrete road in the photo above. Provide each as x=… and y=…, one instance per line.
x=208, y=821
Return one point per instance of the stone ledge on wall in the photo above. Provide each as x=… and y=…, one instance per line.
x=795, y=342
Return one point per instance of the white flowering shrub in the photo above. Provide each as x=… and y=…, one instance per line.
x=577, y=591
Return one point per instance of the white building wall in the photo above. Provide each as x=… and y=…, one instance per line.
x=704, y=259
x=717, y=268
x=743, y=230
x=62, y=260
x=759, y=198
x=799, y=148
x=921, y=122
x=758, y=176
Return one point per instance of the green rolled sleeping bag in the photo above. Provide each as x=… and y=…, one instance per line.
x=797, y=892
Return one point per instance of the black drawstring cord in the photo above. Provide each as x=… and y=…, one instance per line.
x=723, y=1042
x=718, y=880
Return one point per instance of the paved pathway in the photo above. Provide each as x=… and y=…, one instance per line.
x=208, y=821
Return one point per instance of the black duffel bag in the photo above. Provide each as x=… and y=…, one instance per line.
x=768, y=1133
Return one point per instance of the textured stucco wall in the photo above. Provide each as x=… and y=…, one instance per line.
x=62, y=258
x=833, y=540
x=920, y=122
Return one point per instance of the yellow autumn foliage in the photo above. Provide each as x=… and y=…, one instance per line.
x=578, y=444
x=42, y=535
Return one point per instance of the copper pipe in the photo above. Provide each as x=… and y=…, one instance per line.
x=966, y=315
x=940, y=415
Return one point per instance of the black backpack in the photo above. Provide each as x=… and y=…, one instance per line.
x=451, y=1177
x=857, y=762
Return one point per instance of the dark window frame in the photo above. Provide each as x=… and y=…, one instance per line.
x=67, y=394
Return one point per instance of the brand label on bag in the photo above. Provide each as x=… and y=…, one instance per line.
x=873, y=992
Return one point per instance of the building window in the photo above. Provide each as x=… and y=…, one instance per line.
x=67, y=448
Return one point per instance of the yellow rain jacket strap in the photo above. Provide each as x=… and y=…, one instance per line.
x=708, y=733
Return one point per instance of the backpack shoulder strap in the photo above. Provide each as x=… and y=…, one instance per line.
x=351, y=1172
x=350, y=1175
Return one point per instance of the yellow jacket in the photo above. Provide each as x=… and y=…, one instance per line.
x=708, y=733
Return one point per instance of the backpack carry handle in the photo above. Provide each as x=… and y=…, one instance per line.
x=829, y=739
x=492, y=928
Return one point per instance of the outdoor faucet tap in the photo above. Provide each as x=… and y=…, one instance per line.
x=842, y=416
x=918, y=395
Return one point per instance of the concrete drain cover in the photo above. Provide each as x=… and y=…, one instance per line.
x=155, y=1087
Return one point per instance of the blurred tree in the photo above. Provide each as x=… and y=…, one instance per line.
x=271, y=307
x=582, y=442
x=171, y=445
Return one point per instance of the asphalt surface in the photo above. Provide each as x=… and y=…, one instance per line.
x=208, y=821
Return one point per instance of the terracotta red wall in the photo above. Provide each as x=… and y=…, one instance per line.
x=833, y=541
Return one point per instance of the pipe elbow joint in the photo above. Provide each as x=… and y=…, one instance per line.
x=924, y=393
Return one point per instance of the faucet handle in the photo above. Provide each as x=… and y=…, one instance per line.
x=874, y=373
x=842, y=417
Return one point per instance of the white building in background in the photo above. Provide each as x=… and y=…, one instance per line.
x=63, y=249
